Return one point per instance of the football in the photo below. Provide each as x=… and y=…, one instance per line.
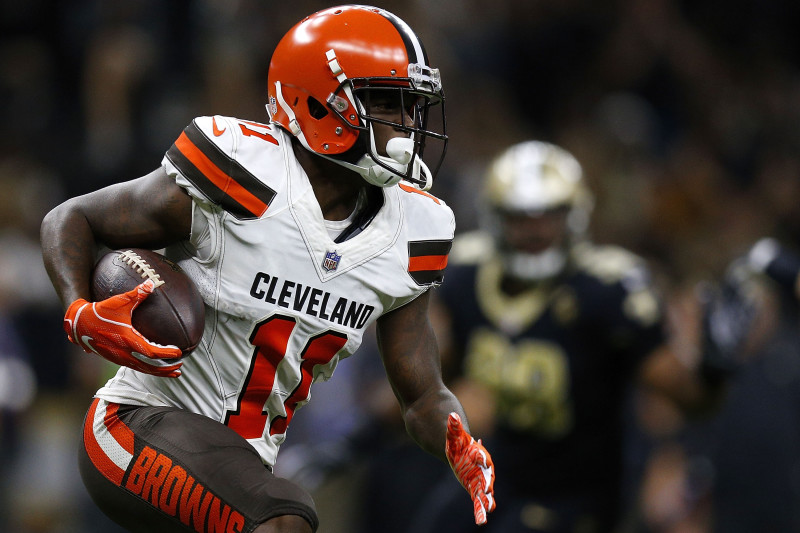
x=173, y=314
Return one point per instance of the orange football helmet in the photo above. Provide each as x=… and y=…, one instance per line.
x=324, y=72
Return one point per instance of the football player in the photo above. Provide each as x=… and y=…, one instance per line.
x=750, y=332
x=300, y=233
x=550, y=330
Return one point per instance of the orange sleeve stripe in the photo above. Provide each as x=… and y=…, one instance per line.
x=427, y=262
x=98, y=457
x=219, y=178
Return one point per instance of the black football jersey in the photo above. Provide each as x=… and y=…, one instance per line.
x=559, y=359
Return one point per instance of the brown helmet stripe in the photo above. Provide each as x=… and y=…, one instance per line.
x=414, y=47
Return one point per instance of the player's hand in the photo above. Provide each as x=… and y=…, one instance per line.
x=105, y=328
x=473, y=467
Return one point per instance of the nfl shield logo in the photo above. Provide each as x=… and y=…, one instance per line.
x=331, y=261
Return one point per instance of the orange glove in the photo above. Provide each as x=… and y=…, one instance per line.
x=105, y=328
x=473, y=467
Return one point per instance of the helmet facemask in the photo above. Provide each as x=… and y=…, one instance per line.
x=536, y=183
x=548, y=258
x=377, y=101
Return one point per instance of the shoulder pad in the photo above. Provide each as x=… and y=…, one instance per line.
x=612, y=265
x=424, y=208
x=472, y=247
x=206, y=155
x=609, y=264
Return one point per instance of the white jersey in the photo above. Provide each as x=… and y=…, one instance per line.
x=284, y=302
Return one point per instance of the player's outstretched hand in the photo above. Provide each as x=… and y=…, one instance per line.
x=473, y=467
x=105, y=328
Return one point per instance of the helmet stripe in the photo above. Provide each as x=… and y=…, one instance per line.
x=414, y=48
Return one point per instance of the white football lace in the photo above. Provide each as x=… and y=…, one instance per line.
x=142, y=267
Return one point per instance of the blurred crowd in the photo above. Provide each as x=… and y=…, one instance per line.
x=684, y=114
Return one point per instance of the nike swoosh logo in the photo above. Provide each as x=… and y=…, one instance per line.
x=85, y=340
x=217, y=131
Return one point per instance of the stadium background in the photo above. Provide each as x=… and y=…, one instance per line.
x=685, y=114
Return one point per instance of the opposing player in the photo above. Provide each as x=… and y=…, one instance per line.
x=551, y=330
x=299, y=233
x=751, y=329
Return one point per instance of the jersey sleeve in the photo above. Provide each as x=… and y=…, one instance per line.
x=211, y=160
x=431, y=226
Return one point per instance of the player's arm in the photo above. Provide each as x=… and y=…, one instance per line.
x=432, y=414
x=149, y=212
x=411, y=357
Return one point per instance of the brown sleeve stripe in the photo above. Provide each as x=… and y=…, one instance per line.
x=223, y=180
x=427, y=260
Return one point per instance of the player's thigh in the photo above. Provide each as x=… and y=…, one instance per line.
x=159, y=469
